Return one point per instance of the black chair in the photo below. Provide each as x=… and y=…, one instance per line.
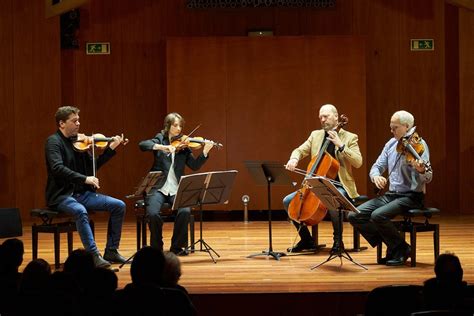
x=166, y=214
x=408, y=225
x=54, y=222
x=399, y=300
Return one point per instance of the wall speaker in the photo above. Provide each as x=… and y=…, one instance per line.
x=10, y=223
x=70, y=23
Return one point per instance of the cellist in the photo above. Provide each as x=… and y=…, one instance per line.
x=344, y=147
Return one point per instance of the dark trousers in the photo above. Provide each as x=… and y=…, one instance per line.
x=304, y=233
x=180, y=230
x=374, y=220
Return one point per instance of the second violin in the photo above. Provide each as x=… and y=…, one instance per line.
x=184, y=141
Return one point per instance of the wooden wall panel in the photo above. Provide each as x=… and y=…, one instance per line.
x=422, y=83
x=128, y=88
x=264, y=94
x=36, y=94
x=7, y=106
x=466, y=91
x=383, y=76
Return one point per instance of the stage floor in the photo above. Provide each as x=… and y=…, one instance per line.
x=233, y=272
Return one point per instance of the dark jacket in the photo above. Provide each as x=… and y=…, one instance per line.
x=68, y=169
x=162, y=161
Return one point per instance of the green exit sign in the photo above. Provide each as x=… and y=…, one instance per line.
x=97, y=48
x=421, y=44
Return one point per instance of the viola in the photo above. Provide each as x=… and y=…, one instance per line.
x=184, y=141
x=306, y=207
x=412, y=148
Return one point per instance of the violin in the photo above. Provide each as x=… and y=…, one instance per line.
x=83, y=142
x=412, y=148
x=184, y=141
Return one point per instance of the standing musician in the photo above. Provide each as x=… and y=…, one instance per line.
x=406, y=191
x=343, y=146
x=171, y=160
x=71, y=189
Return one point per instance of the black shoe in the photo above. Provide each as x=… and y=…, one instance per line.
x=399, y=261
x=112, y=255
x=99, y=262
x=303, y=246
x=388, y=257
x=179, y=252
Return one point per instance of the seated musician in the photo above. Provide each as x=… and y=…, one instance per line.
x=406, y=191
x=343, y=147
x=171, y=160
x=71, y=185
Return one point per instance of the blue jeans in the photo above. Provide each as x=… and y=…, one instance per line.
x=78, y=204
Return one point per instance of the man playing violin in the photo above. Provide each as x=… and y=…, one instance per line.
x=406, y=191
x=344, y=147
x=171, y=160
x=71, y=189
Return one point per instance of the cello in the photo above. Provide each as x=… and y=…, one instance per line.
x=305, y=207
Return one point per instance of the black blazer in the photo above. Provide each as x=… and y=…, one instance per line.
x=162, y=161
x=67, y=168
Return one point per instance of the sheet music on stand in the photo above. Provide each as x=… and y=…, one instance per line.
x=325, y=189
x=143, y=188
x=146, y=184
x=328, y=193
x=204, y=188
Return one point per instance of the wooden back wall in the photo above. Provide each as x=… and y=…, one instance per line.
x=126, y=91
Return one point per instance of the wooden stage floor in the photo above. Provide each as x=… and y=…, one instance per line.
x=235, y=273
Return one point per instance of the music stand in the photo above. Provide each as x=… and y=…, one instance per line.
x=333, y=200
x=268, y=173
x=204, y=188
x=143, y=188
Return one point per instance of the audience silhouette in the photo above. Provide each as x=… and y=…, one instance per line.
x=447, y=291
x=146, y=295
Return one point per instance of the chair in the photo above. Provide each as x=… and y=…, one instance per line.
x=394, y=300
x=355, y=233
x=166, y=214
x=54, y=222
x=407, y=225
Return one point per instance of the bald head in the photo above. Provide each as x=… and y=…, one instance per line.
x=328, y=108
x=328, y=116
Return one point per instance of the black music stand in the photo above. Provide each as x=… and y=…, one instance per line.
x=268, y=173
x=333, y=199
x=143, y=188
x=204, y=188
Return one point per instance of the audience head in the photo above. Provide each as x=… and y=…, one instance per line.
x=172, y=269
x=79, y=263
x=35, y=276
x=104, y=282
x=11, y=255
x=448, y=269
x=147, y=267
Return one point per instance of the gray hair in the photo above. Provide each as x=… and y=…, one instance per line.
x=331, y=107
x=405, y=118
